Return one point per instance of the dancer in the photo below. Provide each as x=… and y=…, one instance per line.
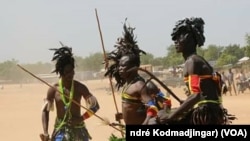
x=69, y=123
x=125, y=57
x=204, y=104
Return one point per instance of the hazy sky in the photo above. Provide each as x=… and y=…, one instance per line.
x=30, y=27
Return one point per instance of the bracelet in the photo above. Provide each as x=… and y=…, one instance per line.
x=46, y=135
x=87, y=114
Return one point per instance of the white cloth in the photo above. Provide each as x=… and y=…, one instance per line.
x=91, y=101
x=48, y=105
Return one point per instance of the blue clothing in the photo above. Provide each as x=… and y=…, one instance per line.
x=70, y=133
x=160, y=94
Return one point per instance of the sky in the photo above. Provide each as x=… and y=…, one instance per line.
x=30, y=27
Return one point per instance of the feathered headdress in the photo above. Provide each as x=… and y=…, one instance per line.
x=62, y=56
x=190, y=25
x=124, y=46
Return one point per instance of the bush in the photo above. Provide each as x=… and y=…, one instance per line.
x=115, y=138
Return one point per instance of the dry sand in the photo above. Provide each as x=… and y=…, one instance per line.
x=21, y=110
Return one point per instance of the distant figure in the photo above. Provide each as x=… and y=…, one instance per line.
x=241, y=76
x=231, y=81
x=241, y=82
x=224, y=81
x=174, y=71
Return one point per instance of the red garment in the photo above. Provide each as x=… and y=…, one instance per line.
x=194, y=84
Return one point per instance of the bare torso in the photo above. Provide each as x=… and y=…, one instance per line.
x=133, y=113
x=80, y=91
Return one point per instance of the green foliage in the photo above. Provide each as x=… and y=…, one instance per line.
x=94, y=62
x=234, y=50
x=115, y=138
x=173, y=58
x=212, y=52
x=157, y=61
x=247, y=50
x=247, y=38
x=200, y=51
x=247, y=47
x=223, y=55
x=8, y=70
x=147, y=59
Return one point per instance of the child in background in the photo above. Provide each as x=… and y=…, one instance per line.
x=160, y=102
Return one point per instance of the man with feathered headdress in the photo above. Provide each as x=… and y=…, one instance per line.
x=69, y=123
x=125, y=57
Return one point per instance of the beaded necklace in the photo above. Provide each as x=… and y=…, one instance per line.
x=67, y=104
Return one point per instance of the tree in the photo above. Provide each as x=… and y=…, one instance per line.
x=157, y=61
x=247, y=47
x=235, y=53
x=226, y=59
x=147, y=59
x=247, y=38
x=200, y=51
x=10, y=71
x=93, y=62
x=212, y=52
x=173, y=58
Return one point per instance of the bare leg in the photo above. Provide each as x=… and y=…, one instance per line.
x=234, y=88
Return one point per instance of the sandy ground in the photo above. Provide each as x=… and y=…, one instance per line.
x=20, y=109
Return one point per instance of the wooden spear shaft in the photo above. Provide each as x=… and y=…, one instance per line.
x=106, y=65
x=156, y=79
x=66, y=96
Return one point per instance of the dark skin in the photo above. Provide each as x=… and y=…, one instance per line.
x=135, y=88
x=152, y=91
x=194, y=65
x=231, y=83
x=80, y=91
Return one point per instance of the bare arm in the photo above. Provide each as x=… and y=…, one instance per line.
x=91, y=102
x=147, y=100
x=46, y=109
x=144, y=96
x=193, y=71
x=146, y=121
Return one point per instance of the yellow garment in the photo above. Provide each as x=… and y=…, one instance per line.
x=127, y=98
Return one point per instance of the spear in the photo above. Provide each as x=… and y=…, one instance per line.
x=106, y=66
x=105, y=121
x=156, y=79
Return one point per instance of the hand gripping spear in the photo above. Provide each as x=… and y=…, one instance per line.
x=69, y=98
x=106, y=66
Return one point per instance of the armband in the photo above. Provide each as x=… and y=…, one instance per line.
x=92, y=105
x=152, y=111
x=87, y=114
x=168, y=102
x=194, y=84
